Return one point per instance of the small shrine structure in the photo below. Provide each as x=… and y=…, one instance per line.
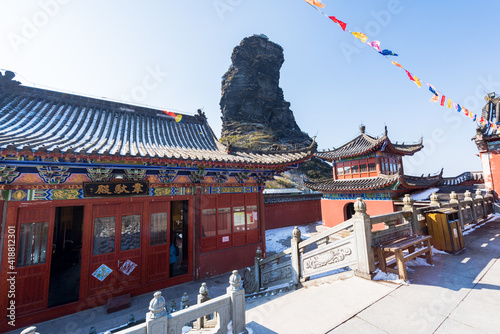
x=370, y=168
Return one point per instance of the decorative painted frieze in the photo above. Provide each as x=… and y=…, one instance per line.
x=135, y=174
x=242, y=177
x=197, y=176
x=8, y=174
x=263, y=177
x=167, y=176
x=100, y=174
x=53, y=174
x=221, y=177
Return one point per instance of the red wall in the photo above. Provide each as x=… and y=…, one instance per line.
x=292, y=213
x=226, y=260
x=333, y=210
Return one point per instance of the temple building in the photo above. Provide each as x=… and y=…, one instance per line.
x=101, y=199
x=488, y=144
x=371, y=168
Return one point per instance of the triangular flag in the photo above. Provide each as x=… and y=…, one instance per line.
x=375, y=45
x=340, y=23
x=459, y=108
x=455, y=105
x=386, y=52
x=443, y=98
x=397, y=64
x=431, y=88
x=417, y=81
x=409, y=75
x=316, y=3
x=466, y=112
x=448, y=105
x=481, y=120
x=435, y=98
x=360, y=36
x=475, y=117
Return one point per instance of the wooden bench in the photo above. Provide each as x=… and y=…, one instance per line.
x=397, y=248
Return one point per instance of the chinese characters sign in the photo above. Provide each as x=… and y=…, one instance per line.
x=107, y=189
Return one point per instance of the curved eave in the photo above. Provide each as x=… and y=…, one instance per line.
x=422, y=182
x=372, y=183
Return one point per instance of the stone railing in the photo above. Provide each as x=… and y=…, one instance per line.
x=344, y=245
x=350, y=243
x=225, y=312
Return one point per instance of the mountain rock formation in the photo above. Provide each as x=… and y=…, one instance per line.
x=254, y=111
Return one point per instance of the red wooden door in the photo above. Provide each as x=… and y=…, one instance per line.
x=34, y=240
x=159, y=242
x=128, y=248
x=115, y=262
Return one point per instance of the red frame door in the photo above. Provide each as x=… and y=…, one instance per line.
x=33, y=277
x=108, y=250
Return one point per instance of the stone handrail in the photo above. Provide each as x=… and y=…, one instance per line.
x=230, y=309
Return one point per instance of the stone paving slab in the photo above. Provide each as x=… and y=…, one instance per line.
x=314, y=309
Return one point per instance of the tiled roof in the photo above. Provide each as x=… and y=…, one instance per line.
x=364, y=144
x=376, y=183
x=35, y=121
x=368, y=183
x=421, y=181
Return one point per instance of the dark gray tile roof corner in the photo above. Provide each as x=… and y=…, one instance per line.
x=365, y=143
x=376, y=183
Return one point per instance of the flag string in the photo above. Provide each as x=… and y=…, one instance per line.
x=437, y=97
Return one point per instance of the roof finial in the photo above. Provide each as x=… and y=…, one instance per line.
x=362, y=128
x=385, y=132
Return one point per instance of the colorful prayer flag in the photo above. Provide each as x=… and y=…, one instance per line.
x=316, y=3
x=397, y=64
x=417, y=81
x=455, y=105
x=466, y=112
x=375, y=45
x=448, y=105
x=360, y=36
x=474, y=119
x=409, y=75
x=443, y=98
x=386, y=52
x=435, y=98
x=459, y=108
x=431, y=88
x=340, y=23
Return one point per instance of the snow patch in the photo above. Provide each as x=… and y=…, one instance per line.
x=277, y=240
x=423, y=195
x=390, y=277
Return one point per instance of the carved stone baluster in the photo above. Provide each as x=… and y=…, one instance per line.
x=435, y=200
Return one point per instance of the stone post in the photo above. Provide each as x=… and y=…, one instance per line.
x=184, y=301
x=468, y=198
x=296, y=239
x=258, y=257
x=157, y=318
x=409, y=207
x=480, y=198
x=435, y=200
x=202, y=297
x=30, y=330
x=237, y=294
x=454, y=200
x=363, y=237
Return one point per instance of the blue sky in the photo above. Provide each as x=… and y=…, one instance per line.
x=172, y=55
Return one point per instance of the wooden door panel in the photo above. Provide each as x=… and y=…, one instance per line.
x=34, y=240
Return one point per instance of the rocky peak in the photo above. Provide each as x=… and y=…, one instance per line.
x=254, y=111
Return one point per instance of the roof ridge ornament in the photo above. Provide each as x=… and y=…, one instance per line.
x=362, y=128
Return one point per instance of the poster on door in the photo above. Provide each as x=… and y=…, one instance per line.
x=127, y=267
